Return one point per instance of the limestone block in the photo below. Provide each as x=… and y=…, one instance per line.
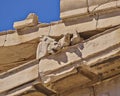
x=58, y=75
x=60, y=29
x=11, y=39
x=86, y=24
x=118, y=3
x=78, y=92
x=109, y=20
x=43, y=31
x=25, y=90
x=67, y=5
x=20, y=90
x=71, y=8
x=98, y=2
x=99, y=6
x=2, y=40
x=109, y=88
x=65, y=41
x=70, y=82
x=73, y=13
x=80, y=24
x=18, y=76
x=76, y=39
x=114, y=64
x=31, y=20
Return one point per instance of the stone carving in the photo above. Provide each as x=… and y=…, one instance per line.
x=31, y=20
x=88, y=68
x=34, y=17
x=65, y=41
x=49, y=45
x=76, y=39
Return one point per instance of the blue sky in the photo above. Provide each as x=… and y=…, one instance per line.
x=15, y=10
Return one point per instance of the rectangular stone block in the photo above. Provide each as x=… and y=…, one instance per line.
x=79, y=24
x=18, y=76
x=118, y=3
x=66, y=5
x=59, y=29
x=108, y=88
x=73, y=13
x=71, y=8
x=44, y=31
x=78, y=92
x=98, y=2
x=87, y=23
x=109, y=20
x=101, y=5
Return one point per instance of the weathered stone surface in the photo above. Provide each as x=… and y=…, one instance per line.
x=55, y=76
x=104, y=48
x=76, y=39
x=65, y=41
x=82, y=51
x=108, y=20
x=63, y=69
x=80, y=24
x=47, y=46
x=56, y=30
x=105, y=88
x=68, y=9
x=66, y=5
x=78, y=91
x=108, y=68
x=74, y=8
x=19, y=76
x=87, y=24
x=18, y=55
x=101, y=5
x=54, y=47
x=108, y=88
x=31, y=20
x=118, y=3
x=69, y=82
x=75, y=12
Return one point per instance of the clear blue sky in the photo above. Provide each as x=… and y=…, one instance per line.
x=15, y=10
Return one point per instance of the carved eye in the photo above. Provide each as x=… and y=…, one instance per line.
x=55, y=43
x=45, y=39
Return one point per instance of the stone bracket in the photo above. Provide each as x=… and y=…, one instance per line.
x=87, y=72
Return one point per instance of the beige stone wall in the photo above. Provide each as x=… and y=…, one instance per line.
x=78, y=56
x=107, y=88
x=72, y=8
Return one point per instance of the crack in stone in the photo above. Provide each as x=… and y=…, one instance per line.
x=97, y=18
x=98, y=6
x=87, y=3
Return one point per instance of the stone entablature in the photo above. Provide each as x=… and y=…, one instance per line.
x=78, y=55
